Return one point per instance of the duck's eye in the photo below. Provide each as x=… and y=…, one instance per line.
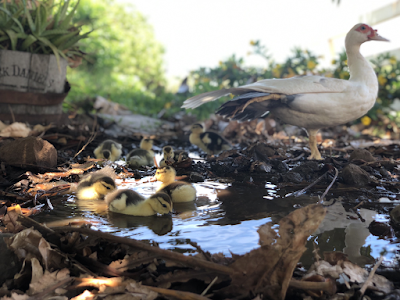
x=363, y=28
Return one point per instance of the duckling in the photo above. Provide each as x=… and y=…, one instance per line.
x=208, y=141
x=129, y=202
x=143, y=156
x=179, y=191
x=109, y=150
x=171, y=156
x=97, y=184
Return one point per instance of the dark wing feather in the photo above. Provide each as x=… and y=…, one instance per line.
x=240, y=109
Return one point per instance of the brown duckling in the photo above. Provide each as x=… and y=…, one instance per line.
x=208, y=141
x=97, y=184
x=179, y=191
x=171, y=156
x=143, y=156
x=108, y=149
x=128, y=202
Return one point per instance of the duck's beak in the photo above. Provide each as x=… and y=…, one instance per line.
x=374, y=36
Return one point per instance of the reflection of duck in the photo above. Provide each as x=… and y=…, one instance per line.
x=208, y=141
x=97, y=184
x=349, y=233
x=109, y=150
x=160, y=225
x=129, y=202
x=170, y=156
x=179, y=191
x=143, y=156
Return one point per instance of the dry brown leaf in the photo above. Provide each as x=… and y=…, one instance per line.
x=15, y=130
x=268, y=269
x=51, y=258
x=37, y=270
x=132, y=261
x=324, y=269
x=25, y=244
x=48, y=279
x=15, y=296
x=358, y=274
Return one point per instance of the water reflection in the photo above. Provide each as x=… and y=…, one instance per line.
x=160, y=225
x=225, y=218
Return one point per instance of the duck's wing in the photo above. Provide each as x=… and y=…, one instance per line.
x=287, y=86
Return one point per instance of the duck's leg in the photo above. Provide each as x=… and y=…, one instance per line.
x=312, y=135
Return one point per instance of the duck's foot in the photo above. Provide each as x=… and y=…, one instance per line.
x=316, y=156
x=312, y=134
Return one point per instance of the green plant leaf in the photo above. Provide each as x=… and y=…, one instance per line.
x=13, y=38
x=32, y=25
x=67, y=21
x=55, y=32
x=61, y=39
x=56, y=51
x=28, y=41
x=7, y=12
x=73, y=41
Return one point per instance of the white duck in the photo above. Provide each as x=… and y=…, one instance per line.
x=312, y=102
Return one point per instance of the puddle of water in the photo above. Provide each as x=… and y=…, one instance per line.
x=226, y=218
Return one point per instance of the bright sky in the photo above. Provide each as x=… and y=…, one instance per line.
x=202, y=33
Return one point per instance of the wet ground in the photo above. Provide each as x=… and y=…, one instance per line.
x=256, y=182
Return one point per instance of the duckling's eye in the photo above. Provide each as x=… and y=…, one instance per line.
x=163, y=205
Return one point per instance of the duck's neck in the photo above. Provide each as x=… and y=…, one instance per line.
x=360, y=69
x=146, y=208
x=166, y=182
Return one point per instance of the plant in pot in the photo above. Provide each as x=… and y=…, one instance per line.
x=38, y=39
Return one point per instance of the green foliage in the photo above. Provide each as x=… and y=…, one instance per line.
x=125, y=62
x=44, y=27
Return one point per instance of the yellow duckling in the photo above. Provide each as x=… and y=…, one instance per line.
x=179, y=191
x=129, y=202
x=143, y=156
x=109, y=150
x=171, y=156
x=208, y=141
x=97, y=184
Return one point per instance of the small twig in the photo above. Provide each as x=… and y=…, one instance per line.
x=329, y=186
x=328, y=286
x=294, y=159
x=209, y=286
x=371, y=274
x=317, y=257
x=166, y=254
x=299, y=193
x=358, y=215
x=176, y=294
x=358, y=205
x=12, y=113
x=91, y=138
x=206, y=256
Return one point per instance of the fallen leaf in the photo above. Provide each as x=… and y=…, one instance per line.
x=268, y=269
x=16, y=129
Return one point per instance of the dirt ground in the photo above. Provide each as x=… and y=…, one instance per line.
x=74, y=262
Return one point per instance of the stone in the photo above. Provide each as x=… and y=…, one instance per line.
x=361, y=154
x=29, y=151
x=354, y=175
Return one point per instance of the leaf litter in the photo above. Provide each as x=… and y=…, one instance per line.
x=74, y=262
